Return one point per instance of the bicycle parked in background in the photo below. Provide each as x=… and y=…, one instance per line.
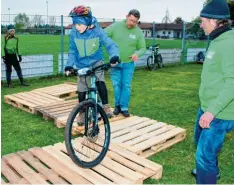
x=155, y=59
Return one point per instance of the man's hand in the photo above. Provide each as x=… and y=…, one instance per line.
x=206, y=119
x=134, y=57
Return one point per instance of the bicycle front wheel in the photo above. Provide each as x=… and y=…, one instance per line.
x=89, y=148
x=151, y=64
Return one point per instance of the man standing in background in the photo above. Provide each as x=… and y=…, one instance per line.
x=12, y=56
x=131, y=42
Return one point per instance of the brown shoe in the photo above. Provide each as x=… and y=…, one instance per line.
x=107, y=110
x=81, y=119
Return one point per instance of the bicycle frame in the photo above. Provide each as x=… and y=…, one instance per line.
x=92, y=94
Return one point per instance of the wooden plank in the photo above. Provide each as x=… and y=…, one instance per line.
x=45, y=97
x=134, y=157
x=169, y=143
x=136, y=131
x=144, y=137
x=116, y=178
x=138, y=160
x=12, y=176
x=32, y=98
x=49, y=96
x=125, y=162
x=58, y=167
x=25, y=171
x=116, y=167
x=40, y=98
x=46, y=172
x=43, y=89
x=86, y=173
x=57, y=104
x=138, y=148
x=18, y=100
x=122, y=124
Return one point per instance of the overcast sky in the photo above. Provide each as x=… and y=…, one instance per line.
x=151, y=10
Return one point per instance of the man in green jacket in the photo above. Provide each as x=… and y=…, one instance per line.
x=216, y=116
x=131, y=42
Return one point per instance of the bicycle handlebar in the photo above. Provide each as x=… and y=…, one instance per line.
x=91, y=70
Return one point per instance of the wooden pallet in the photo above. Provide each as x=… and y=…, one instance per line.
x=144, y=136
x=57, y=110
x=66, y=90
x=60, y=111
x=28, y=101
x=52, y=165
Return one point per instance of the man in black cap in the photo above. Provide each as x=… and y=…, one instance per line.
x=12, y=56
x=216, y=116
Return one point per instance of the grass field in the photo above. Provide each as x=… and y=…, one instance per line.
x=169, y=95
x=51, y=44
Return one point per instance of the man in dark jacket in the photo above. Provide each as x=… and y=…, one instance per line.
x=12, y=56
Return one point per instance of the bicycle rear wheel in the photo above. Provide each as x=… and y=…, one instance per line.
x=151, y=64
x=89, y=148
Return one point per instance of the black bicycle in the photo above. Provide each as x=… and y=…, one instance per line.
x=90, y=147
x=155, y=59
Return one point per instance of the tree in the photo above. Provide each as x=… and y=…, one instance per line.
x=21, y=21
x=178, y=20
x=37, y=20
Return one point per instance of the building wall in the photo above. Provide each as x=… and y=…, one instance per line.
x=147, y=32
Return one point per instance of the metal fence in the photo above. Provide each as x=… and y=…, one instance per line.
x=40, y=34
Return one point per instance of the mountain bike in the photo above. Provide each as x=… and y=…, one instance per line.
x=155, y=59
x=90, y=147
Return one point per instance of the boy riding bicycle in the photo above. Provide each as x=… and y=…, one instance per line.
x=85, y=50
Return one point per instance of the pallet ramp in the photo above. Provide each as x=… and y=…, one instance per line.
x=52, y=165
x=66, y=90
x=144, y=136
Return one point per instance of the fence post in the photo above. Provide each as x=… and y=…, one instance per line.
x=62, y=45
x=154, y=42
x=183, y=42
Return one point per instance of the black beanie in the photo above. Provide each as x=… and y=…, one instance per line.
x=216, y=9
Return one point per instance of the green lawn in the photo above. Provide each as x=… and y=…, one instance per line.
x=51, y=44
x=169, y=95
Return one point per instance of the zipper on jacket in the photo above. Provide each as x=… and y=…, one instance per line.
x=85, y=47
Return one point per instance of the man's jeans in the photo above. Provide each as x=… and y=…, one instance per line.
x=209, y=143
x=121, y=76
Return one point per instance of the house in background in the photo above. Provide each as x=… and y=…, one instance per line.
x=163, y=30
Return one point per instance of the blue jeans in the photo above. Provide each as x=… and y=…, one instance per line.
x=209, y=142
x=121, y=76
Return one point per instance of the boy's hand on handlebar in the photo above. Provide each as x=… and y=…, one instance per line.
x=114, y=61
x=68, y=70
x=67, y=73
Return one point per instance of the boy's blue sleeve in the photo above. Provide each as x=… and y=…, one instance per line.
x=110, y=45
x=72, y=50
